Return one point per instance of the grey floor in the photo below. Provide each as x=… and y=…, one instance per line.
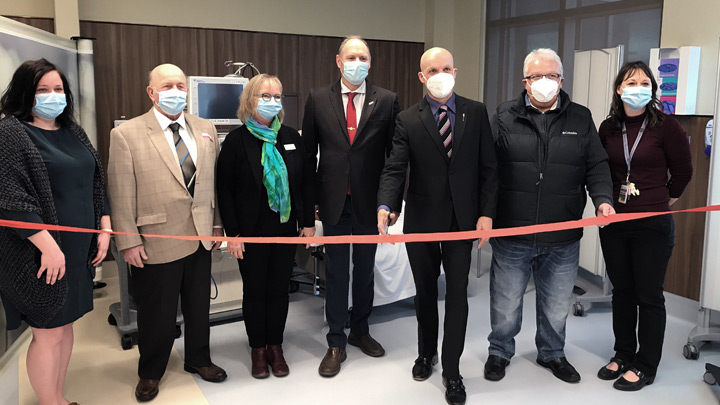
x=365, y=380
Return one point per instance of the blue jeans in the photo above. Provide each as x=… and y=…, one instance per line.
x=554, y=270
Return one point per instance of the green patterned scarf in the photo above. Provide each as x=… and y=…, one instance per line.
x=275, y=175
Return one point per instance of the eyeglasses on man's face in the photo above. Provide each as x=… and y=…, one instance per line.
x=552, y=76
x=268, y=97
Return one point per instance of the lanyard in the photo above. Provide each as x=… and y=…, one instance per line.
x=629, y=155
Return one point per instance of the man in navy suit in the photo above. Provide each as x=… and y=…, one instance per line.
x=447, y=142
x=352, y=122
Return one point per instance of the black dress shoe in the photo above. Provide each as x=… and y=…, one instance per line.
x=367, y=344
x=624, y=385
x=454, y=391
x=606, y=374
x=495, y=367
x=147, y=389
x=561, y=369
x=422, y=370
x=211, y=372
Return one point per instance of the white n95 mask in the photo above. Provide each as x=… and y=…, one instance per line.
x=440, y=85
x=544, y=90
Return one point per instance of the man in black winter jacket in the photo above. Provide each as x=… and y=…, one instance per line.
x=548, y=153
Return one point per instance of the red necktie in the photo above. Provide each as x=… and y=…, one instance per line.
x=351, y=123
x=351, y=118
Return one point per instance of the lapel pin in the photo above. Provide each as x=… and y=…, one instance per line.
x=372, y=102
x=463, y=117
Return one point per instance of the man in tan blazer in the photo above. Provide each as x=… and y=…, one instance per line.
x=161, y=180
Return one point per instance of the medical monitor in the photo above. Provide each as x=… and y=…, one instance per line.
x=216, y=98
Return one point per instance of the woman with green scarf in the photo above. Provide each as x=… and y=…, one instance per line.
x=264, y=189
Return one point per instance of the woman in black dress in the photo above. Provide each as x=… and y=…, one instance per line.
x=52, y=175
x=263, y=187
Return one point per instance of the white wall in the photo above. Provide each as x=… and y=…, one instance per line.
x=469, y=45
x=697, y=26
x=28, y=8
x=67, y=21
x=459, y=26
x=399, y=20
x=374, y=19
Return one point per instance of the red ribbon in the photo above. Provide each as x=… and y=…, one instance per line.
x=410, y=237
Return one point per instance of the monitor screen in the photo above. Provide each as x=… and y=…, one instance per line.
x=216, y=98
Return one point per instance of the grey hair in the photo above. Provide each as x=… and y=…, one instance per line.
x=542, y=53
x=348, y=38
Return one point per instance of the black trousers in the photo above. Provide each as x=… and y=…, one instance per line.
x=156, y=288
x=425, y=259
x=337, y=278
x=637, y=255
x=266, y=270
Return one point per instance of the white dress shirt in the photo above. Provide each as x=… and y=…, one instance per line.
x=184, y=131
x=359, y=99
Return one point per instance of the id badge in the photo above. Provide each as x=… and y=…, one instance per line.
x=624, y=193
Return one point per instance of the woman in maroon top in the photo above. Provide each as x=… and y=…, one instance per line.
x=650, y=164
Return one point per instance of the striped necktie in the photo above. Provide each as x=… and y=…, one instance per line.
x=445, y=130
x=183, y=154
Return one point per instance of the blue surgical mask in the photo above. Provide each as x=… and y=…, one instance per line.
x=636, y=97
x=355, y=71
x=172, y=101
x=268, y=109
x=49, y=105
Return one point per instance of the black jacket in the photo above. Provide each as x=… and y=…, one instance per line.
x=465, y=184
x=240, y=189
x=545, y=162
x=358, y=165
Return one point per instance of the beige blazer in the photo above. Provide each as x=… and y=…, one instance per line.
x=147, y=193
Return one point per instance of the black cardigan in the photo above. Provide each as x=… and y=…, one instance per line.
x=26, y=188
x=240, y=187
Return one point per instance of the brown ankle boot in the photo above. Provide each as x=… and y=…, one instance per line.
x=277, y=361
x=259, y=363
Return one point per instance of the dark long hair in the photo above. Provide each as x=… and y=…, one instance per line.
x=617, y=114
x=19, y=96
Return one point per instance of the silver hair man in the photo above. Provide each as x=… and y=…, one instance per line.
x=542, y=53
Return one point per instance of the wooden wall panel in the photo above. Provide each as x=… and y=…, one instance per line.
x=45, y=24
x=125, y=53
x=685, y=268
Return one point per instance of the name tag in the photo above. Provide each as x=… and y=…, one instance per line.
x=289, y=146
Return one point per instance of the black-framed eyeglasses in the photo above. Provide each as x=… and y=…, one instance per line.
x=268, y=97
x=551, y=76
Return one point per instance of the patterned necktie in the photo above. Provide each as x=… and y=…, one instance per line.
x=183, y=154
x=351, y=117
x=445, y=130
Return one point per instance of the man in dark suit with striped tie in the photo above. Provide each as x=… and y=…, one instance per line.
x=446, y=141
